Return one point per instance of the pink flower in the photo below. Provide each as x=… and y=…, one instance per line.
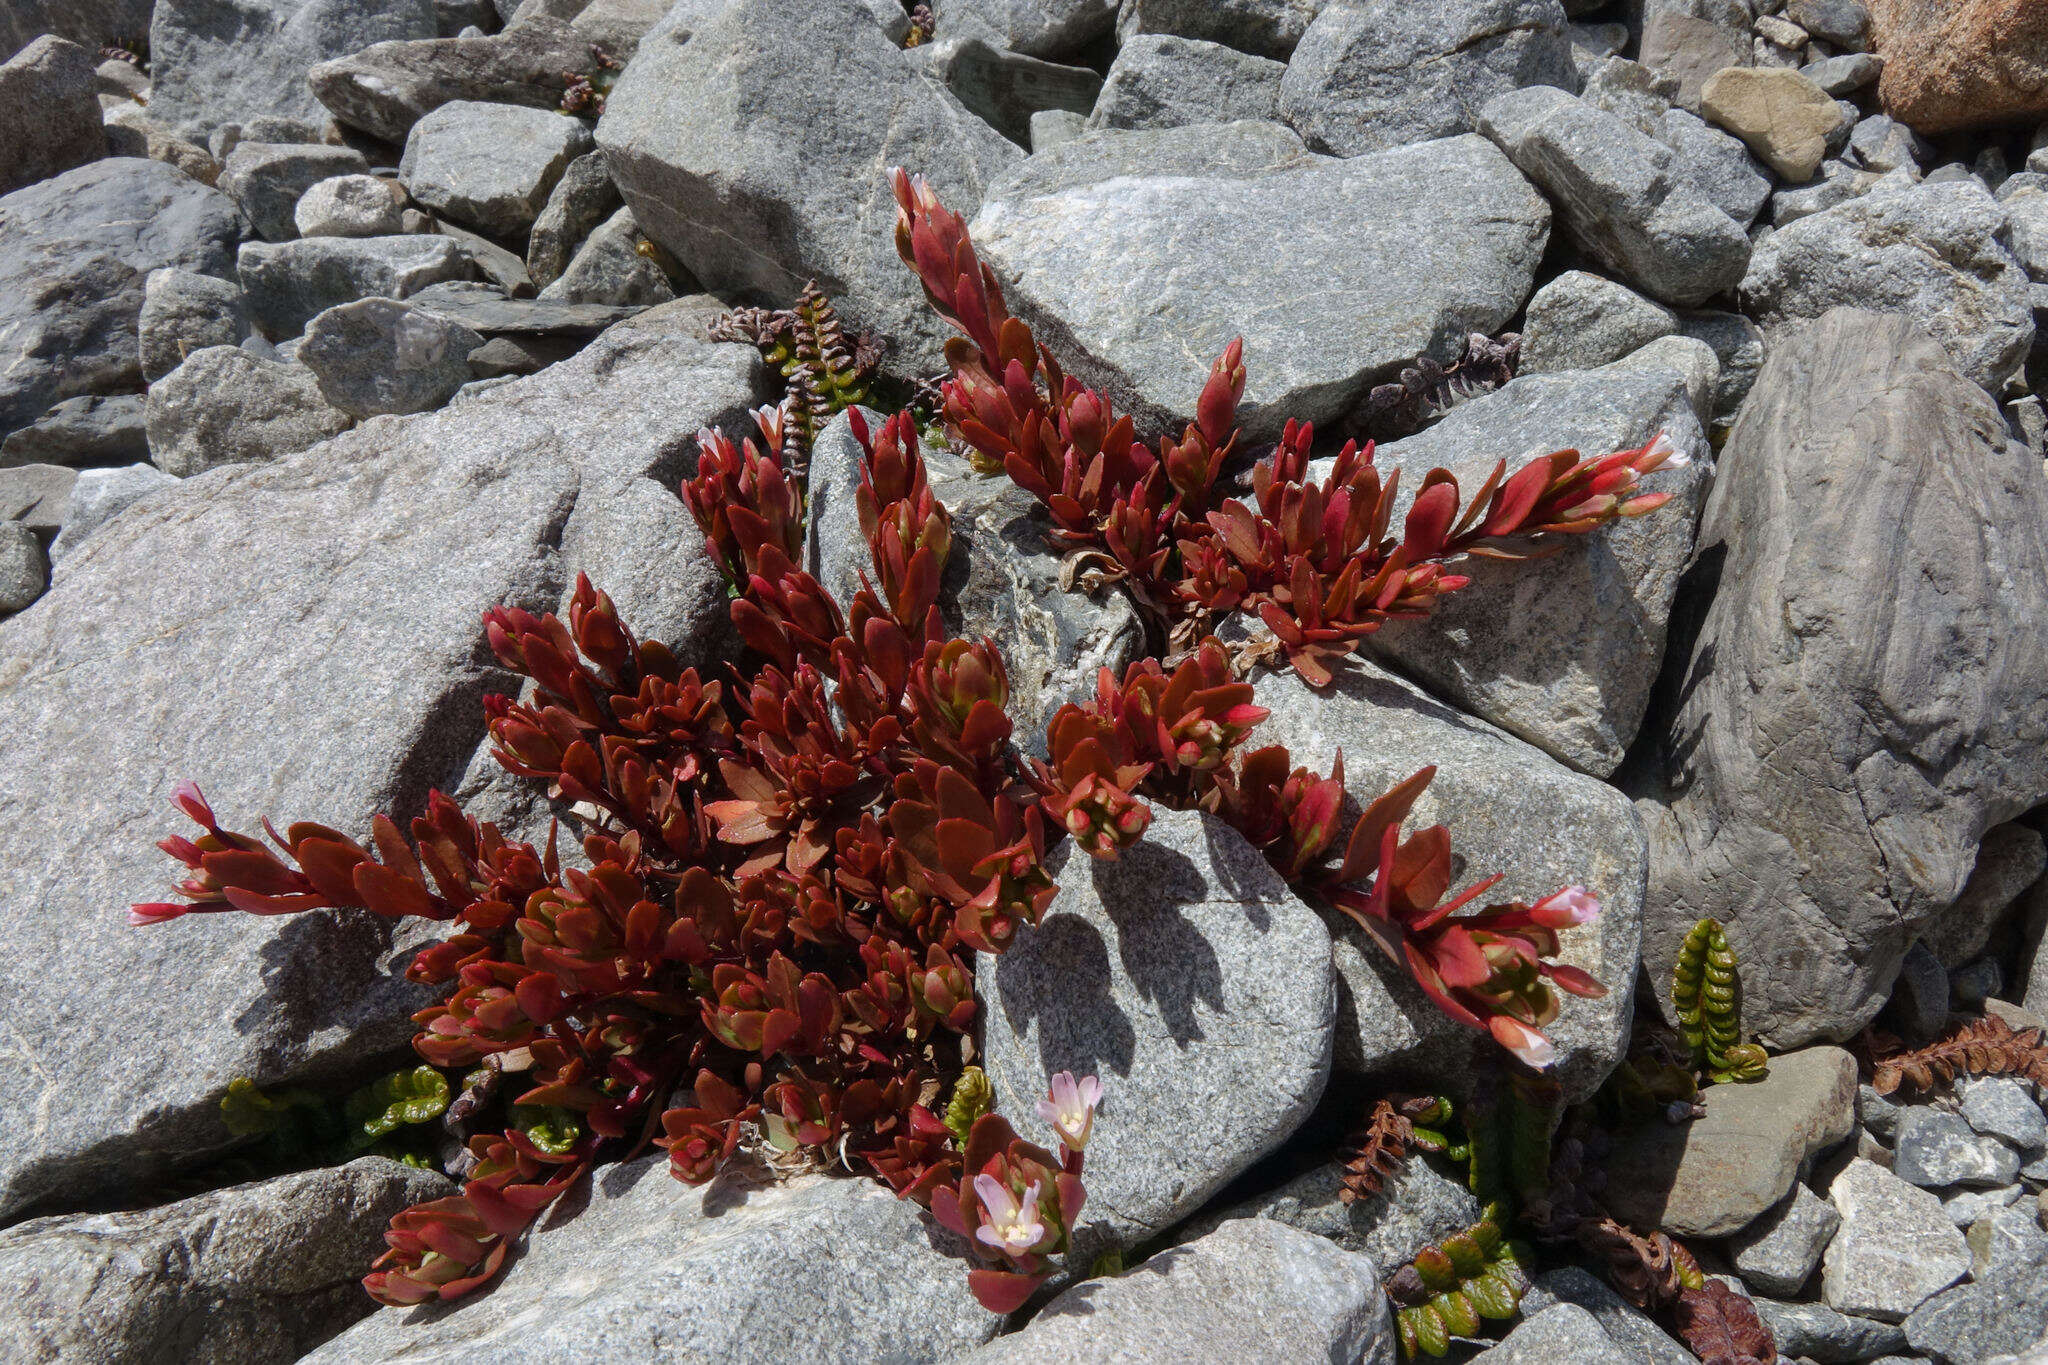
x=1526, y=1043
x=1071, y=1108
x=1007, y=1225
x=1563, y=909
x=1661, y=454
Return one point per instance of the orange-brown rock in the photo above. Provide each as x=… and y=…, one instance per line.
x=1952, y=64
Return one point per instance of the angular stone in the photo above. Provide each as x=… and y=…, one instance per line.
x=2001, y=1313
x=1716, y=1175
x=1814, y=1331
x=737, y=1270
x=1631, y=92
x=755, y=152
x=24, y=567
x=1625, y=1324
x=1839, y=183
x=1882, y=143
x=1843, y=24
x=2001, y=1107
x=2008, y=1233
x=1268, y=28
x=100, y=494
x=1055, y=29
x=1005, y=88
x=1619, y=195
x=89, y=23
x=581, y=199
x=1373, y=75
x=1565, y=1332
x=490, y=166
x=1511, y=809
x=1051, y=127
x=1844, y=74
x=251, y=1273
x=286, y=284
x=1962, y=65
x=1895, y=1249
x=385, y=88
x=1138, y=256
x=1777, y=1253
x=350, y=206
x=1720, y=167
x=228, y=61
x=1160, y=81
x=382, y=356
x=364, y=563
x=226, y=406
x=131, y=132
x=609, y=268
x=183, y=312
x=1579, y=320
x=1191, y=981
x=1879, y=773
x=1251, y=1290
x=267, y=178
x=1563, y=651
x=74, y=252
x=1936, y=1150
x=1739, y=345
x=1918, y=1009
x=34, y=496
x=81, y=431
x=1689, y=358
x=1417, y=1207
x=1691, y=49
x=485, y=310
x=1970, y=1207
x=2011, y=859
x=52, y=116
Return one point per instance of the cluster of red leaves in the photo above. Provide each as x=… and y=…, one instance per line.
x=787, y=876
x=1315, y=561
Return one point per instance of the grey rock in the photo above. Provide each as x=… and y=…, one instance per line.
x=1844, y=74
x=1005, y=88
x=226, y=406
x=183, y=312
x=1881, y=143
x=1777, y=1253
x=1878, y=1113
x=132, y=132
x=1592, y=44
x=81, y=431
x=1001, y=580
x=490, y=166
x=1717, y=1175
x=1580, y=320
x=1817, y=1332
x=1967, y=1207
x=24, y=567
x=35, y=495
x=1268, y=28
x=48, y=105
x=1377, y=74
x=267, y=178
x=350, y=206
x=2002, y=1312
x=364, y=563
x=1894, y=1250
x=89, y=23
x=1936, y=1149
x=485, y=310
x=1161, y=81
x=1056, y=29
x=1839, y=183
x=1692, y=360
x=1417, y=1207
x=2028, y=234
x=501, y=356
x=98, y=496
x=1619, y=195
x=1631, y=92
x=1051, y=127
x=1718, y=166
x=1574, y=676
x=74, y=252
x=1137, y=265
x=1918, y=1009
x=1783, y=34
x=228, y=61
x=735, y=1270
x=581, y=199
x=1565, y=1332
x=382, y=356
x=1873, y=822
x=1626, y=1326
x=286, y=284
x=1512, y=810
x=608, y=268
x=1931, y=252
x=1251, y=1290
x=1971, y=984
x=2001, y=1107
x=1191, y=981
x=750, y=184
x=1844, y=24
x=384, y=89
x=2006, y=1233
x=497, y=266
x=1691, y=48
x=1739, y=346
x=2011, y=859
x=250, y=1273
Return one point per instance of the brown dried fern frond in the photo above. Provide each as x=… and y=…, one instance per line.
x=1721, y=1327
x=1374, y=1152
x=1981, y=1047
x=1649, y=1271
